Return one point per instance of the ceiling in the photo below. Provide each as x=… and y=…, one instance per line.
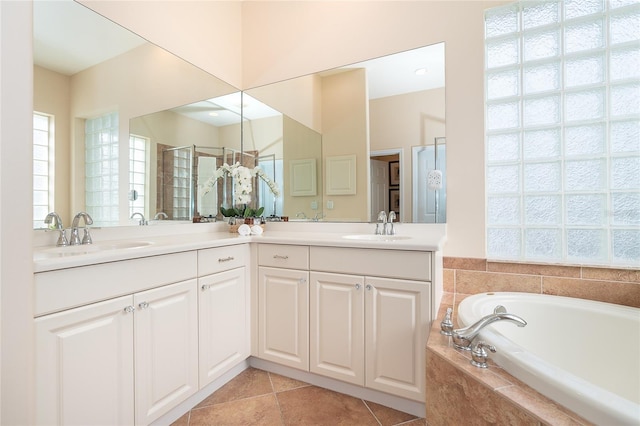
x=69, y=37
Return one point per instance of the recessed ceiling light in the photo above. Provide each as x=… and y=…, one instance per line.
x=213, y=114
x=421, y=71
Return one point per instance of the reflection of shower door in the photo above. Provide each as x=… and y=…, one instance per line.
x=265, y=198
x=429, y=205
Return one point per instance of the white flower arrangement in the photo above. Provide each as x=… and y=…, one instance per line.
x=242, y=178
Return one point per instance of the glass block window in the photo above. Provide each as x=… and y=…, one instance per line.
x=101, y=169
x=138, y=174
x=43, y=160
x=182, y=184
x=562, y=120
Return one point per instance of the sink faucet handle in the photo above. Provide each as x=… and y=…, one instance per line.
x=479, y=354
x=446, y=326
x=86, y=238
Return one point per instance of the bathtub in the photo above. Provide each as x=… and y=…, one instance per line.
x=584, y=355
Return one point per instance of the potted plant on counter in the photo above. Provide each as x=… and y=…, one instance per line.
x=242, y=188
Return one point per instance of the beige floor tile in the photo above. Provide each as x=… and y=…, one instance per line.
x=282, y=383
x=388, y=416
x=258, y=411
x=311, y=405
x=251, y=382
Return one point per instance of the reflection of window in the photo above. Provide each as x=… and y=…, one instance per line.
x=101, y=169
x=562, y=132
x=137, y=174
x=43, y=142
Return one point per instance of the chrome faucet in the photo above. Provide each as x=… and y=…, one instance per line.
x=62, y=238
x=381, y=224
x=142, y=220
x=160, y=216
x=301, y=214
x=462, y=337
x=75, y=238
x=388, y=228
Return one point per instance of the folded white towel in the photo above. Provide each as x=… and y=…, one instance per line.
x=244, y=230
x=256, y=230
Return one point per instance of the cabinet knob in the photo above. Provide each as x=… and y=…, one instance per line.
x=143, y=305
x=206, y=287
x=357, y=286
x=368, y=287
x=129, y=309
x=302, y=280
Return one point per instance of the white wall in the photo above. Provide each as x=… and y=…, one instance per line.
x=16, y=206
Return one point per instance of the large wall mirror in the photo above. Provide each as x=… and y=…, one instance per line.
x=91, y=77
x=137, y=129
x=382, y=126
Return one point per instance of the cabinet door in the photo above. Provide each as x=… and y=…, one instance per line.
x=84, y=365
x=283, y=298
x=224, y=325
x=166, y=343
x=396, y=329
x=337, y=326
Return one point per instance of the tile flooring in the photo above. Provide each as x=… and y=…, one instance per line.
x=256, y=397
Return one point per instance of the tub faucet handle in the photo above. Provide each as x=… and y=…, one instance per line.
x=446, y=326
x=479, y=354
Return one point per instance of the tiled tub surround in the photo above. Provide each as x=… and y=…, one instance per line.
x=470, y=276
x=460, y=393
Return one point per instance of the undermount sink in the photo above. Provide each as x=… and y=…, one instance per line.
x=373, y=237
x=95, y=248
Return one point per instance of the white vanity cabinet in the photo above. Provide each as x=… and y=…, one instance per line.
x=223, y=300
x=283, y=304
x=370, y=330
x=84, y=365
x=100, y=354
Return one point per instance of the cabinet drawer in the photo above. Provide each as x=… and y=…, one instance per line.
x=219, y=259
x=283, y=256
x=413, y=265
x=68, y=288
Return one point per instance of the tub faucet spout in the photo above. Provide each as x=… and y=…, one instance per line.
x=462, y=337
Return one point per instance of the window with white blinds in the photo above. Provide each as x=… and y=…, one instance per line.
x=137, y=174
x=43, y=161
x=562, y=120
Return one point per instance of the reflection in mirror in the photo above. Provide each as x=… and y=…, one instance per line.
x=192, y=142
x=381, y=111
x=90, y=77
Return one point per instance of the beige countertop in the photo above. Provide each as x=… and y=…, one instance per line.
x=112, y=246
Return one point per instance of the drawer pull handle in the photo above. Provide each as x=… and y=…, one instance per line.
x=143, y=305
x=225, y=259
x=278, y=256
x=129, y=309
